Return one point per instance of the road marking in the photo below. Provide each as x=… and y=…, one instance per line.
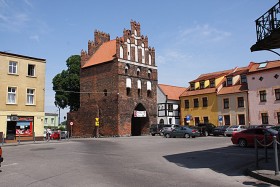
x=13, y=164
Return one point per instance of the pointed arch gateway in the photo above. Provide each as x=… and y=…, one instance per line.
x=139, y=120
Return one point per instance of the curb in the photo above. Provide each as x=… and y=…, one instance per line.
x=258, y=176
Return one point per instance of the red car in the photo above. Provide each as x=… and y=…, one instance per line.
x=247, y=137
x=55, y=136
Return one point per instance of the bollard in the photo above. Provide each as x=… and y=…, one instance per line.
x=275, y=155
x=18, y=138
x=265, y=148
x=3, y=139
x=257, y=153
x=34, y=137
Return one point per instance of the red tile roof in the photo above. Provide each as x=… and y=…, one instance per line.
x=233, y=89
x=172, y=92
x=254, y=67
x=198, y=92
x=105, y=53
x=213, y=75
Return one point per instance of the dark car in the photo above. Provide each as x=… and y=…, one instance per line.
x=156, y=129
x=181, y=132
x=220, y=130
x=205, y=129
x=277, y=128
x=247, y=137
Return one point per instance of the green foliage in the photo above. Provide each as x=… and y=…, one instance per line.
x=67, y=85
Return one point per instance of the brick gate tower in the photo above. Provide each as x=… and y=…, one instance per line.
x=118, y=83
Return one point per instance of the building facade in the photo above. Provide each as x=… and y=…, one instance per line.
x=51, y=120
x=199, y=102
x=118, y=85
x=23, y=96
x=232, y=100
x=169, y=104
x=264, y=93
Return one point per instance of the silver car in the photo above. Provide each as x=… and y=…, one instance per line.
x=234, y=128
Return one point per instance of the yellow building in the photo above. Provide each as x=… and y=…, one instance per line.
x=22, y=96
x=199, y=102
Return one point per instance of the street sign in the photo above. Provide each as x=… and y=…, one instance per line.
x=220, y=118
x=71, y=123
x=97, y=124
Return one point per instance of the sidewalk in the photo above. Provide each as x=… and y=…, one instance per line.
x=265, y=172
x=32, y=142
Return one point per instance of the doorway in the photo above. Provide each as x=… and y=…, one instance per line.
x=139, y=121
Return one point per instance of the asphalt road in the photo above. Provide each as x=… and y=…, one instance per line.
x=128, y=161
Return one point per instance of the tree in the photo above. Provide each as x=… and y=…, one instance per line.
x=67, y=85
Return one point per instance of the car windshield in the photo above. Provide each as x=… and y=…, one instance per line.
x=234, y=126
x=272, y=131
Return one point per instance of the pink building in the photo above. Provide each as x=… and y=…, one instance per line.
x=264, y=93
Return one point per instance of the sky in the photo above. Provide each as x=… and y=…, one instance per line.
x=190, y=37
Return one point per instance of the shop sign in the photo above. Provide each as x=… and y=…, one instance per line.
x=139, y=114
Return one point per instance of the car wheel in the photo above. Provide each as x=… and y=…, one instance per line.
x=167, y=135
x=153, y=134
x=242, y=143
x=206, y=133
x=187, y=136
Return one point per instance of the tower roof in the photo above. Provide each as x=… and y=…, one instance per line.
x=105, y=53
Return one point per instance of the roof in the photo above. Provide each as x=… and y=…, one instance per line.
x=213, y=75
x=20, y=56
x=256, y=67
x=172, y=92
x=198, y=92
x=239, y=71
x=233, y=89
x=105, y=53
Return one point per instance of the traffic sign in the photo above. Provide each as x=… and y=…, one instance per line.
x=71, y=123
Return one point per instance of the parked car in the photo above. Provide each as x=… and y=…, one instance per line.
x=277, y=128
x=169, y=127
x=63, y=134
x=156, y=129
x=220, y=130
x=55, y=136
x=1, y=158
x=205, y=129
x=247, y=137
x=181, y=132
x=234, y=128
x=265, y=126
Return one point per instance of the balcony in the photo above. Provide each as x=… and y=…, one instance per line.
x=268, y=30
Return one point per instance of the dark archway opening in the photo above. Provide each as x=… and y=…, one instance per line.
x=139, y=120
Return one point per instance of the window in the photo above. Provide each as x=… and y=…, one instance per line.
x=263, y=96
x=205, y=119
x=128, y=92
x=241, y=119
x=187, y=104
x=46, y=120
x=139, y=87
x=277, y=94
x=212, y=83
x=150, y=59
x=196, y=120
x=126, y=69
x=226, y=103
x=229, y=81
x=149, y=73
x=195, y=103
x=204, y=102
x=170, y=107
x=240, y=102
x=31, y=70
x=13, y=67
x=105, y=92
x=138, y=71
x=201, y=84
x=30, y=96
x=264, y=118
x=12, y=95
x=149, y=89
x=227, y=119
x=278, y=117
x=121, y=52
x=52, y=120
x=243, y=79
x=192, y=86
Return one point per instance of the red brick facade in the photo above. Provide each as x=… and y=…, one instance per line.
x=105, y=91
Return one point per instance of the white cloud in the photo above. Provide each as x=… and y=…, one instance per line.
x=203, y=33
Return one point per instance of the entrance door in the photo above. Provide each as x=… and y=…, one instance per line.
x=11, y=130
x=139, y=121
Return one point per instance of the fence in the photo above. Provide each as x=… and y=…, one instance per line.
x=263, y=143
